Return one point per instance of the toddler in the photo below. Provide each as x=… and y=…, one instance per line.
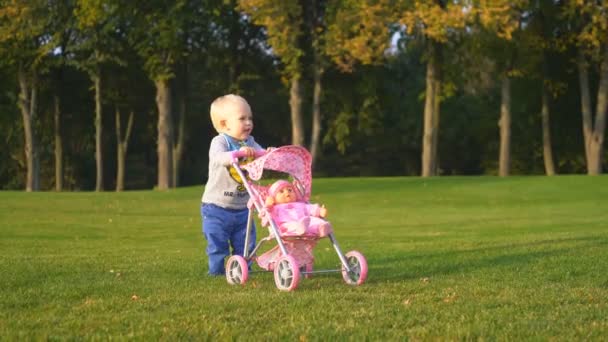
x=224, y=203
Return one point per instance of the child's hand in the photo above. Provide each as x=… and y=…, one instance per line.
x=323, y=211
x=269, y=201
x=249, y=150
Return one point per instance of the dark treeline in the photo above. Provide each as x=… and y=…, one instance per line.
x=108, y=95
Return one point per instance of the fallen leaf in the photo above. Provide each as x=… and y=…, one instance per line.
x=450, y=297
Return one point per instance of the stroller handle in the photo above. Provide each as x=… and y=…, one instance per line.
x=241, y=154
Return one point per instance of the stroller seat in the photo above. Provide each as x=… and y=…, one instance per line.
x=300, y=246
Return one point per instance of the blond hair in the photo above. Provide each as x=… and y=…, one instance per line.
x=224, y=106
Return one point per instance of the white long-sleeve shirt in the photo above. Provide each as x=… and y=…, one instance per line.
x=224, y=187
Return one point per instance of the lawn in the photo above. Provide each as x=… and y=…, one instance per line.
x=449, y=258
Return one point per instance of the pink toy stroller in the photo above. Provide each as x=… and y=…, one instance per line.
x=292, y=256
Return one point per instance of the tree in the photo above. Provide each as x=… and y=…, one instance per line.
x=61, y=29
x=159, y=36
x=301, y=47
x=122, y=84
x=317, y=21
x=590, y=37
x=502, y=18
x=496, y=48
x=122, y=145
x=24, y=43
x=362, y=34
x=543, y=40
x=283, y=21
x=97, y=44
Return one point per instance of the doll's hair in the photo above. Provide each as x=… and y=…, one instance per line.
x=223, y=106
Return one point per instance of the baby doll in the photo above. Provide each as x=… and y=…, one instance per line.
x=292, y=216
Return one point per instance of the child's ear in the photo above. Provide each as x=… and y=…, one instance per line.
x=223, y=125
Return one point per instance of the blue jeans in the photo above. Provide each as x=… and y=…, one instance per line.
x=225, y=229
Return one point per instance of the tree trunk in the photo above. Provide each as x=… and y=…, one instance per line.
x=58, y=146
x=547, y=151
x=180, y=139
x=431, y=116
x=315, y=145
x=436, y=111
x=594, y=131
x=34, y=114
x=597, y=138
x=122, y=144
x=583, y=78
x=314, y=15
x=165, y=135
x=98, y=133
x=295, y=102
x=505, y=128
x=31, y=149
x=178, y=149
x=120, y=154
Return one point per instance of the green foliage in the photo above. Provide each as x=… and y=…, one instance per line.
x=100, y=39
x=371, y=116
x=161, y=33
x=451, y=258
x=358, y=32
x=23, y=35
x=340, y=131
x=11, y=155
x=282, y=21
x=590, y=21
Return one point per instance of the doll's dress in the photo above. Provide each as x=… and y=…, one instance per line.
x=299, y=218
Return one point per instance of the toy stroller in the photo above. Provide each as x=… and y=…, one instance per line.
x=292, y=256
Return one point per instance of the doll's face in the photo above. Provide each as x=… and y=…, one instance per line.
x=285, y=195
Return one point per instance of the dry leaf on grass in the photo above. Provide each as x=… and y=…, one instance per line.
x=450, y=297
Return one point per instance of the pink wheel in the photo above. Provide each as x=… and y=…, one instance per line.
x=358, y=268
x=286, y=273
x=237, y=270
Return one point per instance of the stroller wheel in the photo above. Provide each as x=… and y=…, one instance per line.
x=286, y=273
x=237, y=270
x=358, y=268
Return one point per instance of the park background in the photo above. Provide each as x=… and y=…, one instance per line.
x=373, y=88
x=113, y=95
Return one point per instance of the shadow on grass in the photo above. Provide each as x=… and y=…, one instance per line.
x=466, y=261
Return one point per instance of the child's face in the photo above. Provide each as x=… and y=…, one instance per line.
x=285, y=195
x=239, y=122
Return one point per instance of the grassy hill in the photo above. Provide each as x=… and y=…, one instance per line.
x=449, y=258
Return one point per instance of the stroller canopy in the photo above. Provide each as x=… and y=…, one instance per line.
x=294, y=160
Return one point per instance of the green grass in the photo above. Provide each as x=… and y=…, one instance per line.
x=449, y=258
